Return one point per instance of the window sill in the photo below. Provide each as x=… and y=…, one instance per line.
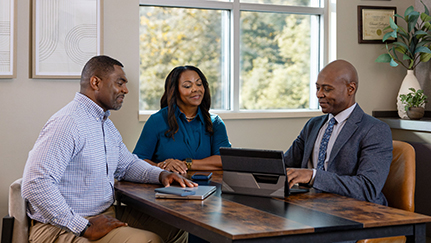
x=246, y=115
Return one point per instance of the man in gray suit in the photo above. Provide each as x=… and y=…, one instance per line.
x=356, y=152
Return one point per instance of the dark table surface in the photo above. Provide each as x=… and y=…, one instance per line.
x=228, y=217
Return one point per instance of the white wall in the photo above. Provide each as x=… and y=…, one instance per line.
x=28, y=103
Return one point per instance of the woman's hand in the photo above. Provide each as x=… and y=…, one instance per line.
x=173, y=165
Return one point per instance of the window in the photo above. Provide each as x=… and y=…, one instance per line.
x=258, y=55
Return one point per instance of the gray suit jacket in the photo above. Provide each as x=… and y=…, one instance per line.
x=360, y=159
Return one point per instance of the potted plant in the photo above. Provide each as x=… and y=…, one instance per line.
x=414, y=103
x=411, y=48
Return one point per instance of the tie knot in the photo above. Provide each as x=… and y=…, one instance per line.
x=332, y=121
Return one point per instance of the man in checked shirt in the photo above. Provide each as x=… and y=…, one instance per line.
x=68, y=179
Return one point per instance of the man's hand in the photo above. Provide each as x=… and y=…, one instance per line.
x=101, y=225
x=296, y=175
x=167, y=178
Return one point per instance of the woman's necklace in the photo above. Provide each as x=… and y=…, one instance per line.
x=189, y=118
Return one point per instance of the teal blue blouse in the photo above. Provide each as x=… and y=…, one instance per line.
x=191, y=140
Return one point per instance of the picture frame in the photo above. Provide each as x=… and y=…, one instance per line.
x=372, y=21
x=65, y=35
x=8, y=20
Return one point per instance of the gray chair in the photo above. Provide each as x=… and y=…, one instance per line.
x=16, y=224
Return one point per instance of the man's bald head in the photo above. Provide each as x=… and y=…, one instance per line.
x=343, y=70
x=336, y=86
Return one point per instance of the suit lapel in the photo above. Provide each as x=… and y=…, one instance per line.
x=311, y=140
x=348, y=130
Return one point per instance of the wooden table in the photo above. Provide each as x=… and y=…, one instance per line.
x=308, y=217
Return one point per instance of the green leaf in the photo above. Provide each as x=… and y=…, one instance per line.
x=384, y=58
x=426, y=9
x=399, y=16
x=403, y=32
x=406, y=57
x=425, y=17
x=412, y=20
x=392, y=24
x=408, y=11
x=420, y=32
x=400, y=49
x=422, y=49
x=427, y=26
x=393, y=63
x=425, y=57
x=389, y=35
x=400, y=44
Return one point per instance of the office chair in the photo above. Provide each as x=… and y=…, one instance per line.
x=16, y=224
x=399, y=188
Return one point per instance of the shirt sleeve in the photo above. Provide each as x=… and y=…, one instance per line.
x=46, y=164
x=219, y=138
x=147, y=142
x=131, y=168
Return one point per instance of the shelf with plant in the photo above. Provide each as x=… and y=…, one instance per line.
x=412, y=46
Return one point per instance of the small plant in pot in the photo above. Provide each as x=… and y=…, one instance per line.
x=414, y=101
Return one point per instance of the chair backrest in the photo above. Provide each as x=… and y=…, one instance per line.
x=17, y=209
x=399, y=188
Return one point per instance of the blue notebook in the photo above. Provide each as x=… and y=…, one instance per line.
x=177, y=192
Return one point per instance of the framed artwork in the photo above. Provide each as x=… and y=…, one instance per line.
x=8, y=38
x=372, y=21
x=65, y=35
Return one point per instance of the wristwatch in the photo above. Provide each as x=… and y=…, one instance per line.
x=85, y=229
x=189, y=162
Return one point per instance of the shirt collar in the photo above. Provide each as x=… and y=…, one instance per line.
x=343, y=115
x=183, y=116
x=94, y=109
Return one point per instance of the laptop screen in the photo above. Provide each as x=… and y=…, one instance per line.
x=252, y=160
x=255, y=172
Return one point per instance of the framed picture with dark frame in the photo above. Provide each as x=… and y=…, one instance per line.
x=65, y=35
x=372, y=21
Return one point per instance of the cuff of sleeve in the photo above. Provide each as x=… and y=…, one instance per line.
x=311, y=182
x=77, y=225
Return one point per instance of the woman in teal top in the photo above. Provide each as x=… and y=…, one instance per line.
x=183, y=135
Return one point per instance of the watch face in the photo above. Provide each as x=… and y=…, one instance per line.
x=189, y=163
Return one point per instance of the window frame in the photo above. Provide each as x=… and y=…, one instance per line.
x=327, y=50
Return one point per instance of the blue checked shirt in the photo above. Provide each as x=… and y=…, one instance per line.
x=71, y=169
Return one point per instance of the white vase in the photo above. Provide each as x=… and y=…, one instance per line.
x=410, y=81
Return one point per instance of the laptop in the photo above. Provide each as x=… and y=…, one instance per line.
x=176, y=192
x=255, y=172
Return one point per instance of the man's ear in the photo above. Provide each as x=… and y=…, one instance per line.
x=94, y=82
x=351, y=88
